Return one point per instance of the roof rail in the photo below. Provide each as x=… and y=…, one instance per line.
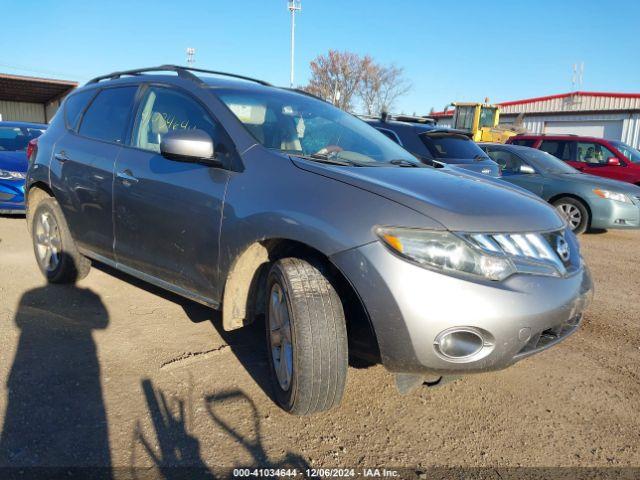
x=183, y=72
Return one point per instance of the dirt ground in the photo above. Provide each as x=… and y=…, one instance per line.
x=116, y=373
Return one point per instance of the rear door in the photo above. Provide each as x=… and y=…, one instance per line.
x=167, y=213
x=562, y=149
x=83, y=161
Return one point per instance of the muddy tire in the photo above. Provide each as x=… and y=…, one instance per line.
x=575, y=212
x=55, y=251
x=306, y=338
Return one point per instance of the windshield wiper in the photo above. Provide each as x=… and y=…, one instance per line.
x=479, y=157
x=331, y=160
x=401, y=162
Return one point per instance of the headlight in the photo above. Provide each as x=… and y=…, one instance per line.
x=445, y=252
x=8, y=175
x=618, y=197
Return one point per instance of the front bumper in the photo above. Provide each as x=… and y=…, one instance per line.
x=409, y=306
x=12, y=197
x=610, y=214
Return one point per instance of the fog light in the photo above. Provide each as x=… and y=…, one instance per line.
x=459, y=343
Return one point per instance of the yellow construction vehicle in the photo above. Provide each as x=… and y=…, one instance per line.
x=481, y=121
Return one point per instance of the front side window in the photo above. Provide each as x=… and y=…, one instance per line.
x=632, y=154
x=448, y=146
x=509, y=163
x=107, y=117
x=15, y=139
x=591, y=152
x=558, y=148
x=297, y=124
x=164, y=110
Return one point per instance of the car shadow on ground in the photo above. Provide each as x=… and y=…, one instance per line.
x=248, y=344
x=55, y=414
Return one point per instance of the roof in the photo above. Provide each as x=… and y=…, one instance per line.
x=578, y=101
x=24, y=124
x=17, y=88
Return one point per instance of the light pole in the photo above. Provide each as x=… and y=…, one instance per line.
x=191, y=52
x=294, y=6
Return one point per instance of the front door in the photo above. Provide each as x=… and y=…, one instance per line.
x=594, y=157
x=167, y=213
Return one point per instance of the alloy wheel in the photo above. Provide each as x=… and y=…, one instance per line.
x=280, y=336
x=571, y=213
x=48, y=241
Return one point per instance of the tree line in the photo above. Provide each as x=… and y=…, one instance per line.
x=351, y=81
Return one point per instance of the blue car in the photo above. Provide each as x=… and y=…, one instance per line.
x=14, y=138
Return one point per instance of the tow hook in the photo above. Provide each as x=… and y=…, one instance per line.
x=408, y=382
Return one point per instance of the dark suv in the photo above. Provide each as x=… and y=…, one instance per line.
x=435, y=145
x=596, y=156
x=263, y=201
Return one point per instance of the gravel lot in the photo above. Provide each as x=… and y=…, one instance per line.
x=115, y=372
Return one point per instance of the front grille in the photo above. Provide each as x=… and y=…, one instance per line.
x=537, y=247
x=550, y=336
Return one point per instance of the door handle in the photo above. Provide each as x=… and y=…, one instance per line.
x=127, y=177
x=61, y=156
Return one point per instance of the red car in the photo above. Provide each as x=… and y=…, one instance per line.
x=596, y=156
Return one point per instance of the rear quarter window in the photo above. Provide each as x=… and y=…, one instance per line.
x=74, y=106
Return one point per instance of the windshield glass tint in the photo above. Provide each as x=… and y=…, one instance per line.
x=448, y=146
x=633, y=154
x=296, y=124
x=545, y=162
x=15, y=139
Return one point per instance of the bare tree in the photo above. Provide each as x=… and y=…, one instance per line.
x=336, y=77
x=380, y=87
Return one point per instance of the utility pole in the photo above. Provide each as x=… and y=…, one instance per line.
x=294, y=6
x=191, y=52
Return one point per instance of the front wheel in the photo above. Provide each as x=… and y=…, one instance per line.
x=575, y=212
x=306, y=338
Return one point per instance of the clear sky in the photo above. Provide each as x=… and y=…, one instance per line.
x=450, y=49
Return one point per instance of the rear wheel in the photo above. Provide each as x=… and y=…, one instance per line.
x=575, y=212
x=55, y=250
x=306, y=338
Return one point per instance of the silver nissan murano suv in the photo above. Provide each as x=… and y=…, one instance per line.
x=267, y=202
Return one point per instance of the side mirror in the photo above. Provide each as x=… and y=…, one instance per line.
x=527, y=169
x=189, y=146
x=613, y=161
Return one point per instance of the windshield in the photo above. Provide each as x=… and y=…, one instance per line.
x=633, y=154
x=449, y=146
x=300, y=125
x=15, y=139
x=545, y=162
x=487, y=117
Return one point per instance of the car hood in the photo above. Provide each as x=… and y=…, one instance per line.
x=13, y=161
x=457, y=201
x=596, y=182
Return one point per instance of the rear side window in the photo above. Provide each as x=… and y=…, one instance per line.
x=74, y=106
x=523, y=143
x=558, y=148
x=108, y=115
x=450, y=146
